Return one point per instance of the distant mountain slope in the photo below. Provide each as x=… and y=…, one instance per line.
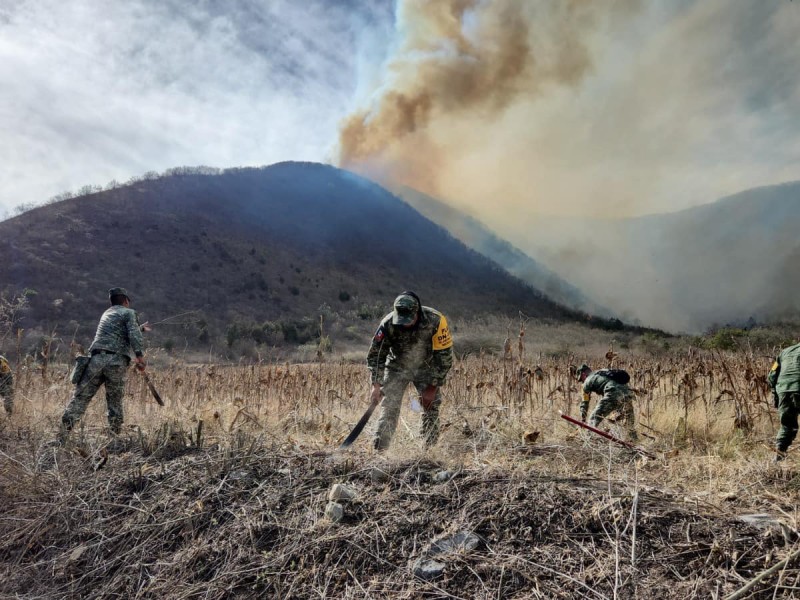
x=273, y=244
x=479, y=237
x=724, y=262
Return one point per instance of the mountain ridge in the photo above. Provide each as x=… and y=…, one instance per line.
x=726, y=262
x=281, y=245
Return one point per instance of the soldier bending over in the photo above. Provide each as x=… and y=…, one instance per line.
x=412, y=345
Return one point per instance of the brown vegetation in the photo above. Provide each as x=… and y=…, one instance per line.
x=253, y=256
x=235, y=506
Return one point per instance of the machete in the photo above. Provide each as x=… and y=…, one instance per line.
x=361, y=423
x=153, y=390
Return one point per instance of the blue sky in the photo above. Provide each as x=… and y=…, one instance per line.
x=668, y=105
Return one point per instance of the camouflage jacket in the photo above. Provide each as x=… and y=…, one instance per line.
x=784, y=376
x=6, y=376
x=424, y=352
x=596, y=383
x=118, y=331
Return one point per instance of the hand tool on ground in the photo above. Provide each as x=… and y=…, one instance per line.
x=608, y=436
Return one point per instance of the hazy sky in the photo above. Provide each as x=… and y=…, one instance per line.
x=508, y=108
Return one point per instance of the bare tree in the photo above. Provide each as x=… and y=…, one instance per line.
x=12, y=309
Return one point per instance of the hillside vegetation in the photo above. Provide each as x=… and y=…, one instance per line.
x=258, y=255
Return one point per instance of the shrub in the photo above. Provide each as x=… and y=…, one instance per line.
x=724, y=339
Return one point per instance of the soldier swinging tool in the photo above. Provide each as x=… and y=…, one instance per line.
x=412, y=345
x=117, y=341
x=361, y=422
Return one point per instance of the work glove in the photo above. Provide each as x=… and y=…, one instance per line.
x=140, y=363
x=428, y=396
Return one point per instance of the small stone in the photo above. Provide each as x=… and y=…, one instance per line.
x=443, y=476
x=76, y=554
x=530, y=437
x=334, y=511
x=339, y=491
x=428, y=569
x=769, y=524
x=378, y=475
x=465, y=541
x=238, y=475
x=760, y=520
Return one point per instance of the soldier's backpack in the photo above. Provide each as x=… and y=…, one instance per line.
x=615, y=375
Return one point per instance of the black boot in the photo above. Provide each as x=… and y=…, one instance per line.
x=780, y=454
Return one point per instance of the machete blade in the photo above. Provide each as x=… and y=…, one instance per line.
x=360, y=425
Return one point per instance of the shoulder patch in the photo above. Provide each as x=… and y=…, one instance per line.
x=775, y=366
x=379, y=335
x=442, y=339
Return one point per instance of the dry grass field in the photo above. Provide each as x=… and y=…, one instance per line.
x=222, y=492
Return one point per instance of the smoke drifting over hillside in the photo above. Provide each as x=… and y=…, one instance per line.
x=458, y=61
x=517, y=110
x=606, y=107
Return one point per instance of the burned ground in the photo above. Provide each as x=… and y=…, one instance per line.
x=171, y=519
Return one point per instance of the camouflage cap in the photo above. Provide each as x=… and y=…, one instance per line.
x=118, y=291
x=405, y=310
x=584, y=368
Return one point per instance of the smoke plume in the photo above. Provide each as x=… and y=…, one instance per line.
x=460, y=61
x=551, y=120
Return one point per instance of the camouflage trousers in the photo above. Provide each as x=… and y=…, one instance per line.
x=394, y=387
x=788, y=409
x=623, y=404
x=103, y=369
x=7, y=392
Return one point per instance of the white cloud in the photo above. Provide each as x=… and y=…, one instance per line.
x=95, y=90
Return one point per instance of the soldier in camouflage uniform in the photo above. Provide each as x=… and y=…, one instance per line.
x=117, y=334
x=784, y=379
x=412, y=345
x=6, y=385
x=615, y=396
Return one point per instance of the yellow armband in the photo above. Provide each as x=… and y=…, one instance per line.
x=442, y=339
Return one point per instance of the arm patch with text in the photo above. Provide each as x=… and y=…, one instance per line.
x=442, y=339
x=379, y=335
